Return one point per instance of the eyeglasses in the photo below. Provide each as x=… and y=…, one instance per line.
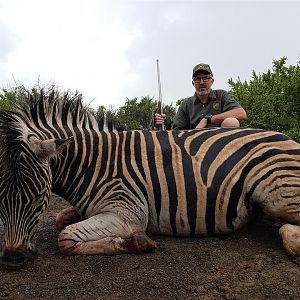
x=204, y=78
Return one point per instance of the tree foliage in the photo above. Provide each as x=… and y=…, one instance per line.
x=137, y=114
x=272, y=99
x=10, y=96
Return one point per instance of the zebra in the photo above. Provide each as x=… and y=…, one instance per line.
x=124, y=186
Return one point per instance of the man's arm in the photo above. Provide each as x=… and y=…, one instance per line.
x=238, y=113
x=230, y=109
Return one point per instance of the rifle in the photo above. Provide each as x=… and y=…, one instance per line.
x=159, y=103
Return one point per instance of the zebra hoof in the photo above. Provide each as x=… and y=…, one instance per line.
x=15, y=260
x=142, y=243
x=290, y=235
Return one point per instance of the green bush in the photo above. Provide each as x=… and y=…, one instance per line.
x=272, y=99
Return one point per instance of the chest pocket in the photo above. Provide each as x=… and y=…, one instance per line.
x=216, y=106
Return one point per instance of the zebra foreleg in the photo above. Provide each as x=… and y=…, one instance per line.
x=105, y=233
x=290, y=235
x=66, y=217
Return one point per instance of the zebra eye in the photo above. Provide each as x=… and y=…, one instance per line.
x=31, y=138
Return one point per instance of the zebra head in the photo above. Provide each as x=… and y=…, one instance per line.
x=25, y=186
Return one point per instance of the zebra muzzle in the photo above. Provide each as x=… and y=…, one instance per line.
x=16, y=259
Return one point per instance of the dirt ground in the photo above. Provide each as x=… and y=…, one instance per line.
x=249, y=264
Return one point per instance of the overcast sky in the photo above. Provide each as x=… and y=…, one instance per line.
x=108, y=49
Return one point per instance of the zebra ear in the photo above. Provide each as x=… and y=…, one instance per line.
x=48, y=148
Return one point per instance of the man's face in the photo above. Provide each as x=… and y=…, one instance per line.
x=202, y=82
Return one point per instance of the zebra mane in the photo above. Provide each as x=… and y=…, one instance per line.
x=43, y=109
x=51, y=107
x=54, y=107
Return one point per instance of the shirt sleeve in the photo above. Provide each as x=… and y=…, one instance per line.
x=181, y=121
x=229, y=102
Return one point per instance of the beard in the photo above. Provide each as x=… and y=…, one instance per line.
x=203, y=92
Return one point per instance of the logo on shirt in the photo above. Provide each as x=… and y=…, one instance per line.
x=216, y=105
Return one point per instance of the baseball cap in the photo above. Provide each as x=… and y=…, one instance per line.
x=202, y=67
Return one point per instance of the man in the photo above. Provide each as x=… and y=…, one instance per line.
x=207, y=108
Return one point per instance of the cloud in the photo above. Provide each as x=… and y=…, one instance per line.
x=235, y=38
x=108, y=49
x=7, y=40
x=69, y=43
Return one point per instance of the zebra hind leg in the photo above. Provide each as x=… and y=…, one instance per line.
x=66, y=217
x=105, y=233
x=284, y=204
x=289, y=211
x=290, y=235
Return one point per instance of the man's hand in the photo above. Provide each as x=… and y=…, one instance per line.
x=159, y=119
x=202, y=124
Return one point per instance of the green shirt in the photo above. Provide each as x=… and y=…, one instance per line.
x=192, y=111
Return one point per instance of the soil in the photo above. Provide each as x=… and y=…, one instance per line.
x=248, y=264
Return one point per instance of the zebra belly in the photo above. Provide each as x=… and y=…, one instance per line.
x=205, y=223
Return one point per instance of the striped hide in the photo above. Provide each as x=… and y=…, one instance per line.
x=123, y=185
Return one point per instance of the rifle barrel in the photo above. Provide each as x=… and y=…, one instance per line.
x=159, y=93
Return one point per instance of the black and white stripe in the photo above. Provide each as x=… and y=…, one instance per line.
x=190, y=183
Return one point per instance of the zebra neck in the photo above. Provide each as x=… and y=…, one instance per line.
x=91, y=159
